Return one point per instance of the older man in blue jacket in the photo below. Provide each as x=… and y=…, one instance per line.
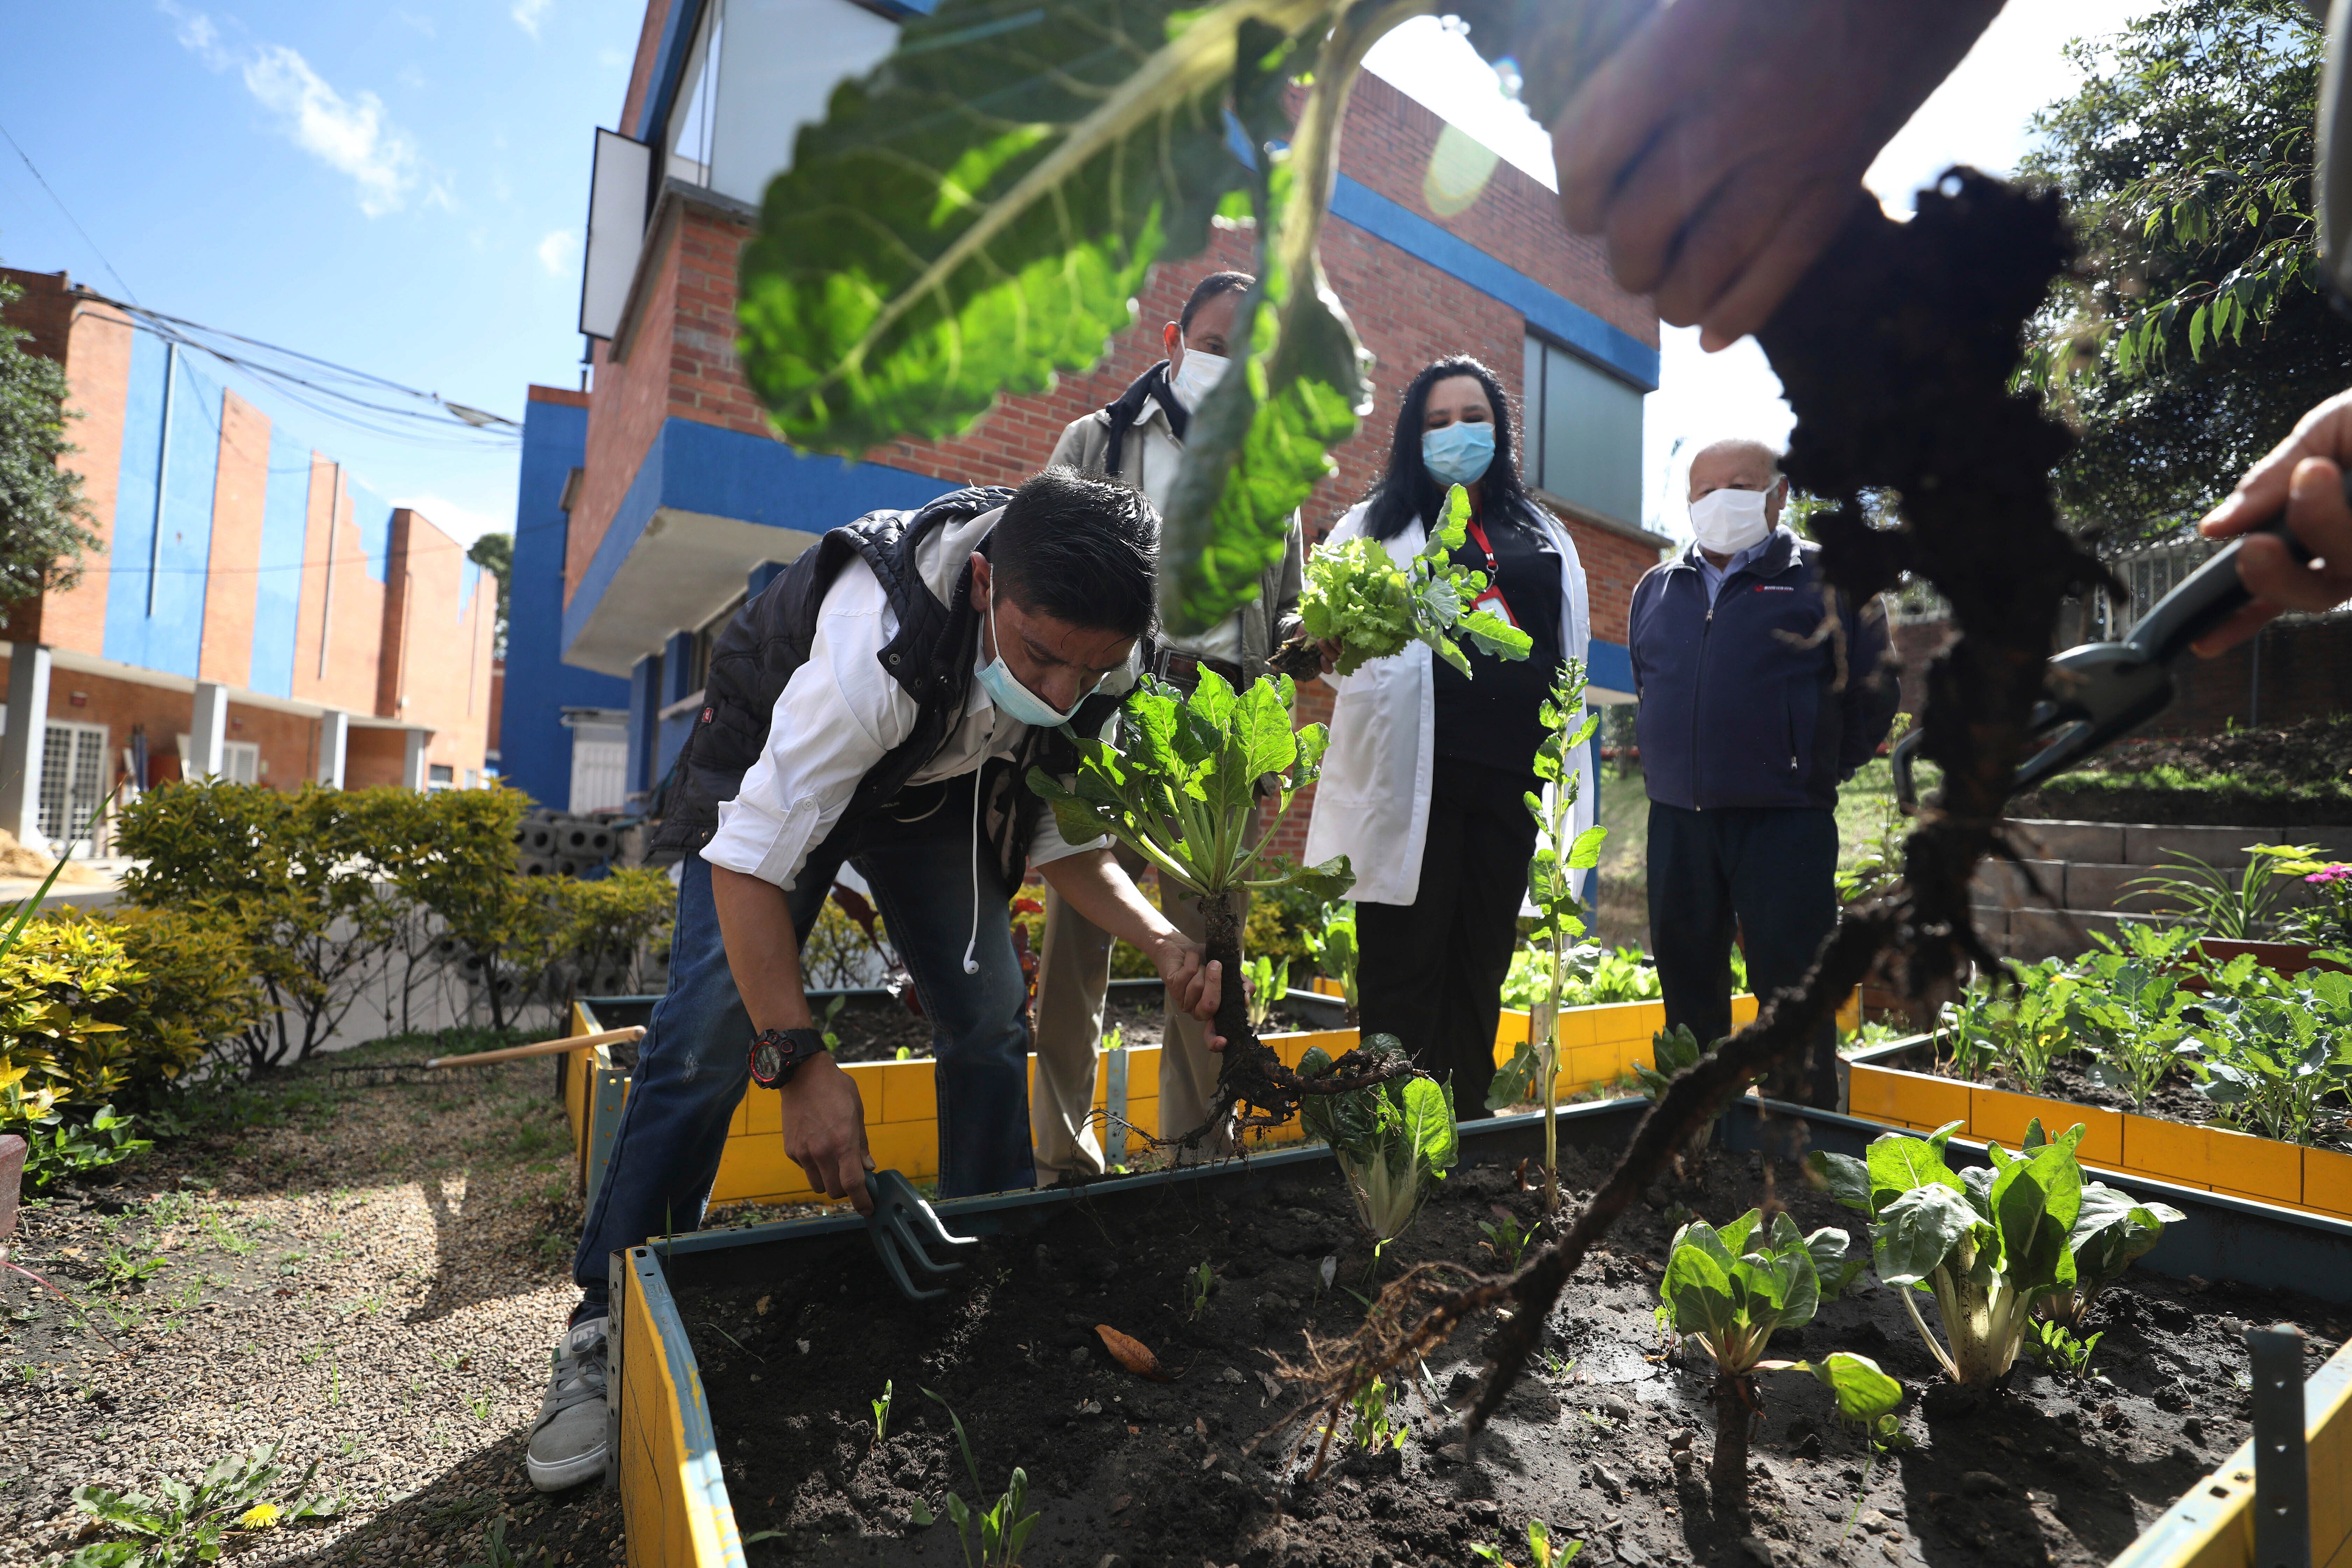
x=1750, y=721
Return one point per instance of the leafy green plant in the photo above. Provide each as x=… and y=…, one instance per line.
x=2277, y=1048
x=2327, y=922
x=1541, y=1551
x=1335, y=953
x=496, y=1552
x=1268, y=983
x=1728, y=1292
x=1555, y=891
x=1672, y=1053
x=1506, y=1238
x=2237, y=905
x=1375, y=1424
x=1178, y=787
x=882, y=1415
x=1988, y=1244
x=1395, y=1141
x=1356, y=596
x=118, y=1270
x=2056, y=1347
x=1002, y=1528
x=1198, y=1285
x=1597, y=976
x=2017, y=1033
x=188, y=1522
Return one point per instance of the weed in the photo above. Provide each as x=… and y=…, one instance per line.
x=1197, y=1286
x=1002, y=1530
x=1542, y=1552
x=496, y=1553
x=227, y=1240
x=118, y=1270
x=1506, y=1239
x=480, y=1408
x=1373, y=1425
x=882, y=1415
x=2056, y=1348
x=189, y=1522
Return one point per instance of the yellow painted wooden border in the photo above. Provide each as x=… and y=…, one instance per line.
x=2213, y=1525
x=2209, y=1159
x=674, y=1497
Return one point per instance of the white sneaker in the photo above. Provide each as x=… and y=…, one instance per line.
x=567, y=1441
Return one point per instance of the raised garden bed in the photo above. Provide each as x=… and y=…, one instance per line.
x=1600, y=1045
x=749, y=1362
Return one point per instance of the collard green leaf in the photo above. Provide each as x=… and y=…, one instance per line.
x=978, y=211
x=1918, y=1229
x=1429, y=1124
x=2111, y=1231
x=1828, y=1247
x=1697, y=1289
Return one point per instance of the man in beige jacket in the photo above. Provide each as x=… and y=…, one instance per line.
x=1140, y=440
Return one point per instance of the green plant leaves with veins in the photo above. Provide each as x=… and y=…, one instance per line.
x=1988, y=1244
x=1178, y=785
x=1357, y=594
x=1395, y=1141
x=1731, y=1288
x=1863, y=1391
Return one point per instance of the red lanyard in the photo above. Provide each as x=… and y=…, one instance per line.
x=1478, y=532
x=1492, y=599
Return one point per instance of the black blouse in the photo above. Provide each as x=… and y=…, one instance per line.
x=1492, y=720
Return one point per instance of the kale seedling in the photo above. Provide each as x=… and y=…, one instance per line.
x=1673, y=1052
x=1356, y=593
x=1395, y=1141
x=1542, y=1552
x=1506, y=1238
x=1197, y=1286
x=1729, y=1290
x=882, y=1415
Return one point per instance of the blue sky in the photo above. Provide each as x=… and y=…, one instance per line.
x=401, y=188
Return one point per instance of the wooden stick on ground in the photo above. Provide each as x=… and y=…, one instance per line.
x=540, y=1048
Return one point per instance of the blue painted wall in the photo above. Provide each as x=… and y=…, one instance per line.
x=534, y=748
x=166, y=633
x=372, y=515
x=278, y=598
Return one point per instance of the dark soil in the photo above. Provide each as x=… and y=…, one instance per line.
x=2315, y=751
x=1141, y=1474
x=2291, y=776
x=876, y=1028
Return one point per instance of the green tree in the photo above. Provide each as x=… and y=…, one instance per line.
x=494, y=553
x=41, y=507
x=2197, y=333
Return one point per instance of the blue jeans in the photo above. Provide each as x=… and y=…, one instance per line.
x=694, y=1064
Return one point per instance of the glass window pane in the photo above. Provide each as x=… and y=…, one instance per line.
x=1590, y=442
x=1532, y=406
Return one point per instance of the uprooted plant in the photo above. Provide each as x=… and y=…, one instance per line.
x=1395, y=1141
x=1556, y=889
x=1729, y=1290
x=1180, y=787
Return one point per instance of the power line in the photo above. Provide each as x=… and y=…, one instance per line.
x=85, y=239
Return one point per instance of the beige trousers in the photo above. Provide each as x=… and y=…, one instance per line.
x=1073, y=976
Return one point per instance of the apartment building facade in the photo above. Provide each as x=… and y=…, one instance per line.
x=253, y=611
x=681, y=501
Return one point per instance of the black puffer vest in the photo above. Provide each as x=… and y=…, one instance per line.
x=931, y=659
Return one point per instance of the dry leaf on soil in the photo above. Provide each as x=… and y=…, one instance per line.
x=1131, y=1353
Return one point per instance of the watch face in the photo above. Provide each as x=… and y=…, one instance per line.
x=767, y=1062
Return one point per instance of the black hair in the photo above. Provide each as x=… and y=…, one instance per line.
x=1081, y=550
x=1406, y=492
x=1209, y=288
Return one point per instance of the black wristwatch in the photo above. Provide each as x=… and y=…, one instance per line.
x=777, y=1053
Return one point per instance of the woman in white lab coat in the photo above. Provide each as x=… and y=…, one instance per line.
x=1425, y=783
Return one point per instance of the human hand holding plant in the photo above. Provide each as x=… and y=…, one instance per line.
x=1359, y=604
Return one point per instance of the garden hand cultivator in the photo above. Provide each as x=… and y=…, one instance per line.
x=900, y=1224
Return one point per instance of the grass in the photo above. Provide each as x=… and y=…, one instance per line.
x=1862, y=805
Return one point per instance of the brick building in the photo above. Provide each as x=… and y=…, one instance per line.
x=252, y=610
x=682, y=501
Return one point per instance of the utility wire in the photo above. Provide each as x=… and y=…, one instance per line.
x=85, y=239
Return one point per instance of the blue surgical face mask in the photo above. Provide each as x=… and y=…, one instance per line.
x=1457, y=454
x=1013, y=700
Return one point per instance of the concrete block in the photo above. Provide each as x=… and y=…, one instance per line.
x=2042, y=839
x=2222, y=846
x=2092, y=886
x=1998, y=886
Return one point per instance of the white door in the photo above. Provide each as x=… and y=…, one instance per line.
x=241, y=762
x=73, y=782
x=600, y=767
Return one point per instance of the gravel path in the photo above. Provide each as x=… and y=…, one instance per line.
x=370, y=1277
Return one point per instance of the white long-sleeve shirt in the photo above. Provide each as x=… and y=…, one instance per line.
x=840, y=714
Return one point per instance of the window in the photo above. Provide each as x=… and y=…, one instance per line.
x=73, y=781
x=696, y=116
x=706, y=638
x=600, y=767
x=241, y=762
x=1583, y=433
x=439, y=775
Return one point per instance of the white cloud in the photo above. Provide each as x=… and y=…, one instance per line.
x=555, y=252
x=351, y=135
x=530, y=14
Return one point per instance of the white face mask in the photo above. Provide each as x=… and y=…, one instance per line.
x=1195, y=374
x=1728, y=521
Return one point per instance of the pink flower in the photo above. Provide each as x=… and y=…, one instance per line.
x=2330, y=874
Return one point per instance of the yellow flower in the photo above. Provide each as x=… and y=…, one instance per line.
x=260, y=1516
